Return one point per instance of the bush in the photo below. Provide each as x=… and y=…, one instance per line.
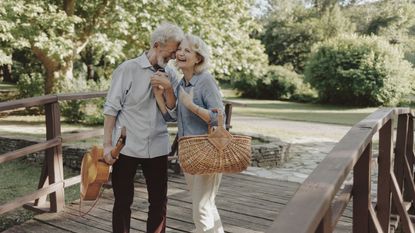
x=83, y=111
x=277, y=83
x=30, y=85
x=362, y=71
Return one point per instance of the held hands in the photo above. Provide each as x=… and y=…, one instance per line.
x=159, y=82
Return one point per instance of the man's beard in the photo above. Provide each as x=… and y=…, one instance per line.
x=161, y=62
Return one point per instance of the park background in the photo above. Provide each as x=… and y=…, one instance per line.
x=324, y=61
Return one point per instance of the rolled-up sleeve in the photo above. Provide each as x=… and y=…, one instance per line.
x=213, y=100
x=115, y=95
x=171, y=114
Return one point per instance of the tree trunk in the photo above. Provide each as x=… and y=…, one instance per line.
x=7, y=73
x=50, y=81
x=90, y=72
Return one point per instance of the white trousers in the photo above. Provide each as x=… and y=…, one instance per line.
x=205, y=214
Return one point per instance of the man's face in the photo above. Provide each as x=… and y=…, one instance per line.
x=165, y=52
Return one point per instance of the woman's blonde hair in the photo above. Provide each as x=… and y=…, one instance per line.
x=202, y=50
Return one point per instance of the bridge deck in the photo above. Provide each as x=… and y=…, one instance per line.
x=247, y=204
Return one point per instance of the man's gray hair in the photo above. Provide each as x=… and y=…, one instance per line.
x=202, y=50
x=166, y=32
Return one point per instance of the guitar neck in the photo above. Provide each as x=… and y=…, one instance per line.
x=118, y=147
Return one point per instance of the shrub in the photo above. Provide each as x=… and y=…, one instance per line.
x=30, y=85
x=277, y=83
x=83, y=111
x=356, y=70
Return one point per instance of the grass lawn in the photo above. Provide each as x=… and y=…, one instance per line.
x=301, y=111
x=20, y=177
x=306, y=112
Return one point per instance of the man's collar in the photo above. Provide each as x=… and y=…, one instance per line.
x=143, y=61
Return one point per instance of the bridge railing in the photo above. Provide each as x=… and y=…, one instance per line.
x=52, y=180
x=345, y=175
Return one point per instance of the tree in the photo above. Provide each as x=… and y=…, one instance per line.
x=108, y=31
x=289, y=36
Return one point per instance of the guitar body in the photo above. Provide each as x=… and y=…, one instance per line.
x=95, y=171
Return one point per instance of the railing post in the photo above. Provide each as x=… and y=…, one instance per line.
x=361, y=191
x=400, y=152
x=410, y=158
x=228, y=112
x=325, y=224
x=383, y=205
x=53, y=156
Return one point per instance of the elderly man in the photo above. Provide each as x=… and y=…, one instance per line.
x=131, y=103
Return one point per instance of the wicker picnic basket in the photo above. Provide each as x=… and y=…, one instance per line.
x=216, y=152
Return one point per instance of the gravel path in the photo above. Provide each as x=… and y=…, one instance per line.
x=310, y=143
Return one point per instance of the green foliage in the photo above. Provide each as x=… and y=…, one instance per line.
x=394, y=20
x=356, y=70
x=278, y=83
x=30, y=85
x=83, y=111
x=103, y=33
x=289, y=36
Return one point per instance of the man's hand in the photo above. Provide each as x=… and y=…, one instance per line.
x=160, y=80
x=107, y=155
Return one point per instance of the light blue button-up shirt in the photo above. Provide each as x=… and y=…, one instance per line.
x=206, y=94
x=131, y=99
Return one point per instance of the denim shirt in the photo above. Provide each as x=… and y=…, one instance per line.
x=206, y=94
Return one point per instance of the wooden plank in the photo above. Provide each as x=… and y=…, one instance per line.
x=53, y=156
x=398, y=203
x=72, y=181
x=33, y=226
x=361, y=191
x=69, y=222
x=241, y=211
x=27, y=102
x=315, y=195
x=79, y=96
x=383, y=205
x=29, y=197
x=29, y=149
x=340, y=203
x=82, y=135
x=400, y=150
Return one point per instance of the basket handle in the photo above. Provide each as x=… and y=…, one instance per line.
x=220, y=119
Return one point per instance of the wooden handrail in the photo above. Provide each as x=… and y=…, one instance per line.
x=314, y=197
x=27, y=102
x=78, y=96
x=29, y=149
x=82, y=135
x=51, y=181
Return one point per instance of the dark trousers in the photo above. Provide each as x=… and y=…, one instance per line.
x=155, y=174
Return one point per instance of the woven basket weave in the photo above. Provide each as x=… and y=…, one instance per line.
x=216, y=152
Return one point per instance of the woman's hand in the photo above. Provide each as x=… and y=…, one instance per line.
x=160, y=80
x=187, y=99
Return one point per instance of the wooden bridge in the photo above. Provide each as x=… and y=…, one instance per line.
x=336, y=197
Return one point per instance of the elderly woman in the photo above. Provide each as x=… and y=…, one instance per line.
x=198, y=96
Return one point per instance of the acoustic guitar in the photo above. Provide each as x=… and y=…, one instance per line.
x=95, y=171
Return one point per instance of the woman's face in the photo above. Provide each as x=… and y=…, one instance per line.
x=186, y=57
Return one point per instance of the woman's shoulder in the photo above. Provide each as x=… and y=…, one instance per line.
x=206, y=77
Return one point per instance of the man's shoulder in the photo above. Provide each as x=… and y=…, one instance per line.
x=129, y=64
